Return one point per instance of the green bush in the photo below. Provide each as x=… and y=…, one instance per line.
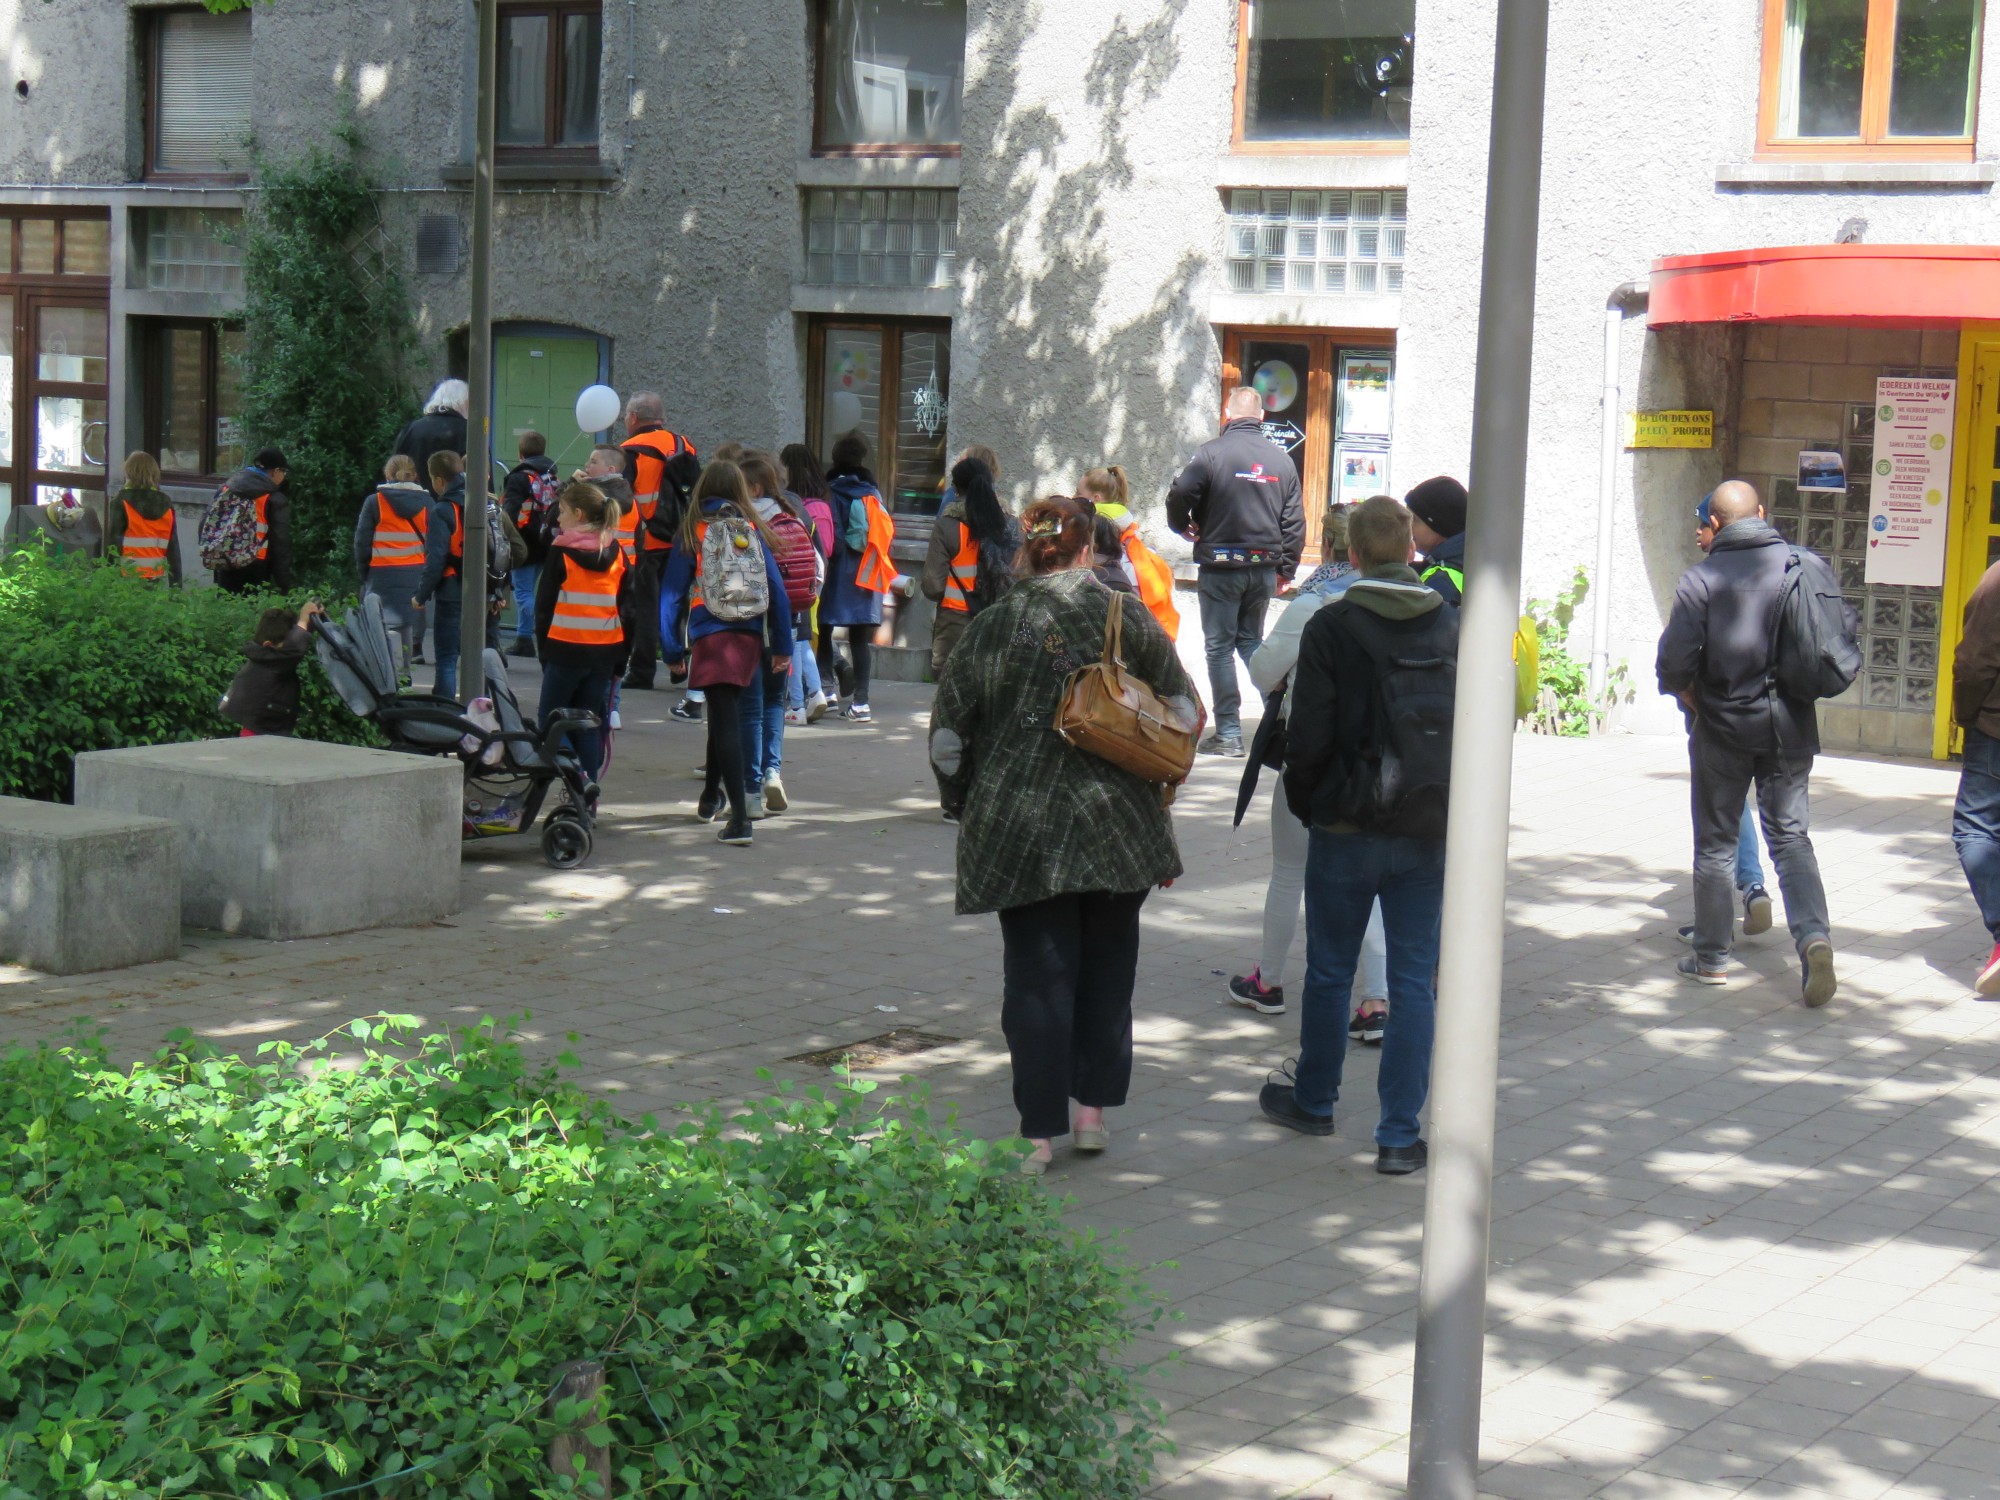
x=93, y=658
x=1565, y=705
x=292, y=1279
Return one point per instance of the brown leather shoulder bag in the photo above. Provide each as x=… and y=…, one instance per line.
x=1109, y=713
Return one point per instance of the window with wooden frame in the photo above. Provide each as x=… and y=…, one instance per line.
x=550, y=58
x=190, y=382
x=1883, y=79
x=1324, y=75
x=55, y=352
x=891, y=77
x=198, y=94
x=891, y=382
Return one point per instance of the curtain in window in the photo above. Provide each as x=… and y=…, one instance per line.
x=202, y=94
x=893, y=73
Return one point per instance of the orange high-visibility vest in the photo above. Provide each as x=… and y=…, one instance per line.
x=399, y=542
x=145, y=545
x=1155, y=577
x=628, y=532
x=263, y=526
x=652, y=450
x=456, y=565
x=964, y=579
x=587, y=605
x=878, y=570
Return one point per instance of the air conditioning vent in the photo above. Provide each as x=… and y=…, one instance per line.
x=440, y=248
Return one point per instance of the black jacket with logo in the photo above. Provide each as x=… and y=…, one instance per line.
x=1240, y=493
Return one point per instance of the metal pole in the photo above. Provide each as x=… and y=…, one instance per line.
x=479, y=408
x=1451, y=1317
x=1615, y=307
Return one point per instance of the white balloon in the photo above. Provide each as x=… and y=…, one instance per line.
x=845, y=410
x=596, y=408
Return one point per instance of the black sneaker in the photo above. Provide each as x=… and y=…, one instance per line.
x=1756, y=911
x=1368, y=1028
x=687, y=712
x=637, y=684
x=710, y=806
x=1250, y=990
x=1401, y=1161
x=523, y=648
x=735, y=831
x=1229, y=745
x=1281, y=1108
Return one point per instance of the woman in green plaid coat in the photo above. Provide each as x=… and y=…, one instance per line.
x=1063, y=845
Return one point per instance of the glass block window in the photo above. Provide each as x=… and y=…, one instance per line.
x=186, y=250
x=1347, y=242
x=882, y=237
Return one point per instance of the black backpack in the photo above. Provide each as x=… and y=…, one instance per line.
x=1813, y=651
x=1399, y=783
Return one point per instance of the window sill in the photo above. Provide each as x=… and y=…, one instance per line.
x=1805, y=172
x=459, y=173
x=876, y=301
x=879, y=171
x=1318, y=170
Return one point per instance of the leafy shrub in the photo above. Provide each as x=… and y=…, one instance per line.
x=326, y=326
x=93, y=658
x=289, y=1279
x=1565, y=705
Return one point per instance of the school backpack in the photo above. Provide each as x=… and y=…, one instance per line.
x=1400, y=781
x=798, y=562
x=538, y=516
x=228, y=535
x=1813, y=651
x=499, y=546
x=734, y=585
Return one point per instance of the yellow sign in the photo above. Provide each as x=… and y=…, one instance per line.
x=1671, y=429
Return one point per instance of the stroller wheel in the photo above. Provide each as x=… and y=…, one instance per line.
x=565, y=843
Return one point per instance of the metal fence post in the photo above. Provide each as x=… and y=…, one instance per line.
x=1451, y=1323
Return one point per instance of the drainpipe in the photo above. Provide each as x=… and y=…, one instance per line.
x=1628, y=298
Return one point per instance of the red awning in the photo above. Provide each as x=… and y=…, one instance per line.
x=1874, y=284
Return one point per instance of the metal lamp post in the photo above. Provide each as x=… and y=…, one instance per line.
x=479, y=408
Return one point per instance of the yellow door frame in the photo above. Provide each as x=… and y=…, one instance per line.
x=1972, y=477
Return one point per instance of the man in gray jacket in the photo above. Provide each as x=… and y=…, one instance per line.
x=1716, y=658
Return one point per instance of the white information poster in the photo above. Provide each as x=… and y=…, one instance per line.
x=1911, y=478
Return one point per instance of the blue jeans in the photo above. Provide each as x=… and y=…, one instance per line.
x=1748, y=871
x=1346, y=873
x=760, y=719
x=445, y=612
x=525, y=578
x=578, y=687
x=805, y=666
x=1975, y=825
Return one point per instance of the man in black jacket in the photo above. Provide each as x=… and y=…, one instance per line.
x=1716, y=658
x=1238, y=500
x=1363, y=846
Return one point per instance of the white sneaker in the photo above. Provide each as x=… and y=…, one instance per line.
x=857, y=713
x=795, y=716
x=816, y=707
x=616, y=721
x=775, y=800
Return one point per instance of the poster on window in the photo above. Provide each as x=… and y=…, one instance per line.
x=1367, y=384
x=1359, y=473
x=1907, y=513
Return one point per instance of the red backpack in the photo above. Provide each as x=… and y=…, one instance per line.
x=798, y=562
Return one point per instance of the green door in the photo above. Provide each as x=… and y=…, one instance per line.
x=537, y=380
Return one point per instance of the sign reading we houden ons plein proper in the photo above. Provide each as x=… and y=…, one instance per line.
x=1911, y=477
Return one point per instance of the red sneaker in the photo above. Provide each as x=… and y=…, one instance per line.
x=1987, y=985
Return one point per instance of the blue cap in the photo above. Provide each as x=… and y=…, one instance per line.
x=1701, y=510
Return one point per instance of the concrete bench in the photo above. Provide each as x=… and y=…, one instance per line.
x=285, y=838
x=82, y=890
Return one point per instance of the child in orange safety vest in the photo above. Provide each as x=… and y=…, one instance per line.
x=583, y=615
x=862, y=570
x=139, y=523
x=1152, y=574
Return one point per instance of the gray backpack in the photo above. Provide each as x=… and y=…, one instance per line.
x=734, y=584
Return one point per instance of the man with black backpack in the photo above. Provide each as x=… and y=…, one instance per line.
x=1368, y=768
x=1758, y=633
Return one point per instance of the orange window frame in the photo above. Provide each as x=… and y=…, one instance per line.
x=1878, y=70
x=1334, y=146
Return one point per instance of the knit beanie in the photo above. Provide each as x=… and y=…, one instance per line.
x=1440, y=504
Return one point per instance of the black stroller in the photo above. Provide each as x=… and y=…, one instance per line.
x=509, y=766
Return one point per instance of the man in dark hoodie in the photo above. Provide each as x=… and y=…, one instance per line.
x=444, y=556
x=528, y=498
x=1437, y=508
x=1715, y=657
x=262, y=482
x=1239, y=501
x=391, y=535
x=1386, y=649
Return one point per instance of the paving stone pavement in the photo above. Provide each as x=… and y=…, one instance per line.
x=1740, y=1248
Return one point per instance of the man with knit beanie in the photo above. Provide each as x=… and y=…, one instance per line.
x=1438, y=506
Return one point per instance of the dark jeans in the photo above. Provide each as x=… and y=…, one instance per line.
x=1749, y=872
x=579, y=687
x=243, y=580
x=1233, y=605
x=646, y=576
x=1783, y=799
x=1346, y=874
x=1975, y=825
x=725, y=747
x=1067, y=1009
x=447, y=619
